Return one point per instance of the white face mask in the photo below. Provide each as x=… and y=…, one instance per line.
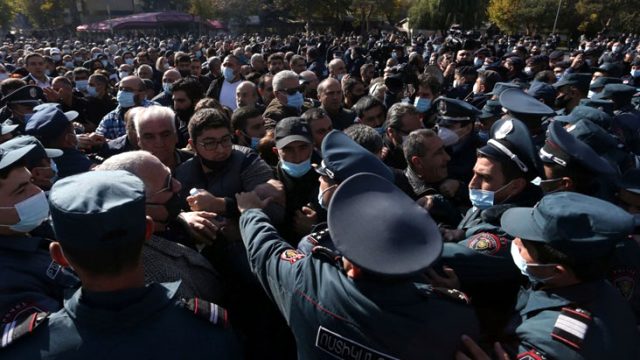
x=521, y=264
x=32, y=211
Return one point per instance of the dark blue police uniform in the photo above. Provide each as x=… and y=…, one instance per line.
x=128, y=323
x=336, y=316
x=587, y=318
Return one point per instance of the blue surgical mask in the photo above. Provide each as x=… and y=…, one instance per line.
x=521, y=264
x=379, y=130
x=481, y=199
x=296, y=170
x=321, y=196
x=91, y=91
x=254, y=142
x=126, y=99
x=227, y=72
x=478, y=62
x=198, y=53
x=167, y=88
x=69, y=65
x=128, y=61
x=32, y=211
x=295, y=101
x=82, y=84
x=56, y=58
x=422, y=104
x=54, y=169
x=635, y=73
x=104, y=63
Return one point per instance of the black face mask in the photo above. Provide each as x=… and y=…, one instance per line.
x=215, y=166
x=173, y=207
x=185, y=115
x=185, y=73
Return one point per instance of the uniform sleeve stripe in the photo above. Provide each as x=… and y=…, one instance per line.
x=213, y=310
x=571, y=326
x=8, y=333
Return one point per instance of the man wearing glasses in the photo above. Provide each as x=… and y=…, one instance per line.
x=288, y=100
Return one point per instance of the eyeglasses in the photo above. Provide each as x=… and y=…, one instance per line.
x=291, y=91
x=168, y=185
x=213, y=144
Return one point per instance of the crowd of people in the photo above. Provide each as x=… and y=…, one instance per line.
x=312, y=196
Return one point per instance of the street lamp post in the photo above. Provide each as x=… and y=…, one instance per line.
x=557, y=15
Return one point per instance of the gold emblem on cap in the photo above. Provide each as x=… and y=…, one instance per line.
x=504, y=130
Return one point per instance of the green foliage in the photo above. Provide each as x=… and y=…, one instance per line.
x=7, y=12
x=441, y=14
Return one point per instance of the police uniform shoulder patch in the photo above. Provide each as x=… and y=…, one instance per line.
x=442, y=107
x=486, y=243
x=531, y=355
x=624, y=279
x=291, y=255
x=571, y=327
x=21, y=327
x=211, y=312
x=452, y=294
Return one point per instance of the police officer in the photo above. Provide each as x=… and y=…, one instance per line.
x=571, y=88
x=571, y=165
x=32, y=282
x=531, y=111
x=39, y=161
x=459, y=117
x=569, y=311
x=54, y=129
x=21, y=103
x=364, y=303
x=113, y=312
x=626, y=120
x=342, y=158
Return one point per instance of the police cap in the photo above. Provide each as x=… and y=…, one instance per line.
x=579, y=80
x=10, y=157
x=500, y=87
x=29, y=95
x=401, y=242
x=603, y=143
x=563, y=149
x=600, y=82
x=511, y=141
x=604, y=105
x=49, y=122
x=518, y=102
x=580, y=112
x=491, y=108
x=455, y=110
x=7, y=127
x=110, y=211
x=37, y=153
x=618, y=93
x=580, y=226
x=342, y=157
x=542, y=90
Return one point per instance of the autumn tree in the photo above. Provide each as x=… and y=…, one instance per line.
x=530, y=16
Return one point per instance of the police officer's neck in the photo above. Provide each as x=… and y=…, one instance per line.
x=130, y=279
